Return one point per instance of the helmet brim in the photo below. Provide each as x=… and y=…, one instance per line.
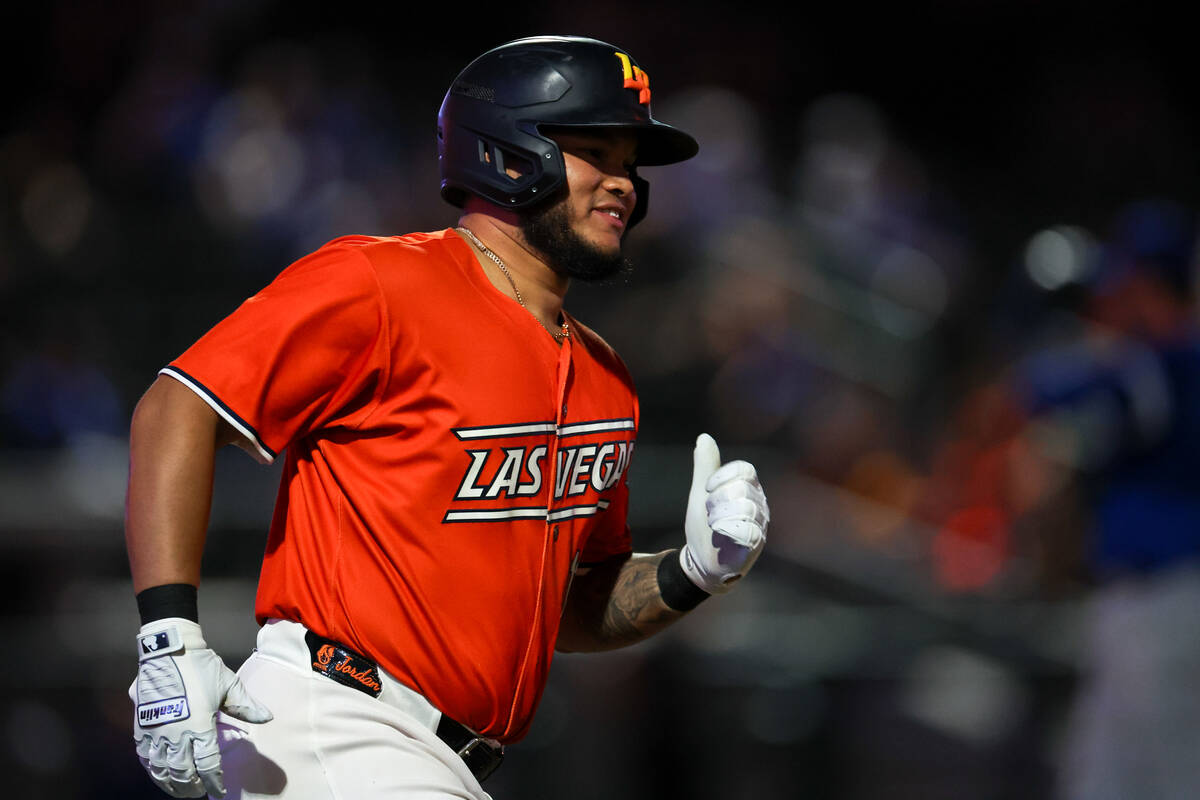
x=658, y=143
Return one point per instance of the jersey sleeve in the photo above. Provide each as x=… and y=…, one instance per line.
x=307, y=352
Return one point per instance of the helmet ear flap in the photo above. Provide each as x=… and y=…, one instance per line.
x=505, y=163
x=512, y=172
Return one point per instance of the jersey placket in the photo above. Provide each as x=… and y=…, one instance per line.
x=562, y=382
x=547, y=572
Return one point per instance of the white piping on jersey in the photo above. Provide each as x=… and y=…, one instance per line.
x=576, y=428
x=492, y=514
x=573, y=429
x=501, y=431
x=577, y=511
x=264, y=455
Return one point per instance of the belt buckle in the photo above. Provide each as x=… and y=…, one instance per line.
x=481, y=757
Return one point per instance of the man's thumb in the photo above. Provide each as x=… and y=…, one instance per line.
x=238, y=703
x=706, y=459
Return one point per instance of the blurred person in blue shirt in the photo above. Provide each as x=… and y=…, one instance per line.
x=55, y=392
x=1124, y=399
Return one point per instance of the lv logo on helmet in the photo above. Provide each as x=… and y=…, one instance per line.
x=635, y=78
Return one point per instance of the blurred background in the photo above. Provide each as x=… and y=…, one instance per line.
x=892, y=279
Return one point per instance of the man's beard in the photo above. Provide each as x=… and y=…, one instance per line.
x=548, y=230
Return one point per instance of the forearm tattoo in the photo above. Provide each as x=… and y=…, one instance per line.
x=634, y=609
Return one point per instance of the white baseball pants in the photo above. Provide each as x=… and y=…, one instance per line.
x=330, y=742
x=1134, y=731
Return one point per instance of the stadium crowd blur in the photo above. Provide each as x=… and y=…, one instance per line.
x=924, y=623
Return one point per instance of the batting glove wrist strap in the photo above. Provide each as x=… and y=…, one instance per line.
x=166, y=636
x=726, y=522
x=675, y=587
x=180, y=686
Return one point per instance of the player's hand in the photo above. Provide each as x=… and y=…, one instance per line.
x=180, y=686
x=726, y=523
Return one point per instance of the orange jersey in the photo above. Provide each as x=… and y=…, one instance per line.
x=448, y=464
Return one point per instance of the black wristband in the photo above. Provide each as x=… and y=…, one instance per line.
x=675, y=587
x=168, y=600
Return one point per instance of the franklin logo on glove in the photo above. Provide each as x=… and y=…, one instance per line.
x=162, y=711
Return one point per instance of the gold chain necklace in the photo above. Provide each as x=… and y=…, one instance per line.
x=483, y=248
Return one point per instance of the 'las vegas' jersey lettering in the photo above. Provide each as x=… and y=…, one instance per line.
x=566, y=459
x=606, y=466
x=467, y=490
x=506, y=478
x=584, y=459
x=582, y=468
x=533, y=467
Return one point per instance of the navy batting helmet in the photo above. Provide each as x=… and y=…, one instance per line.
x=493, y=123
x=1154, y=236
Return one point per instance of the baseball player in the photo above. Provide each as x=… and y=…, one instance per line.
x=453, y=502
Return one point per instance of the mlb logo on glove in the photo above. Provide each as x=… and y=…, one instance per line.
x=155, y=642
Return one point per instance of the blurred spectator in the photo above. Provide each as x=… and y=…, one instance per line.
x=1112, y=419
x=56, y=394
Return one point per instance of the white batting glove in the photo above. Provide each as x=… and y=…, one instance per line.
x=726, y=523
x=180, y=686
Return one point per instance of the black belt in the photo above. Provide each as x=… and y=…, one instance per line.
x=340, y=663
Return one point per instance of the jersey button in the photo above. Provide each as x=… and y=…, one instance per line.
x=556, y=533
